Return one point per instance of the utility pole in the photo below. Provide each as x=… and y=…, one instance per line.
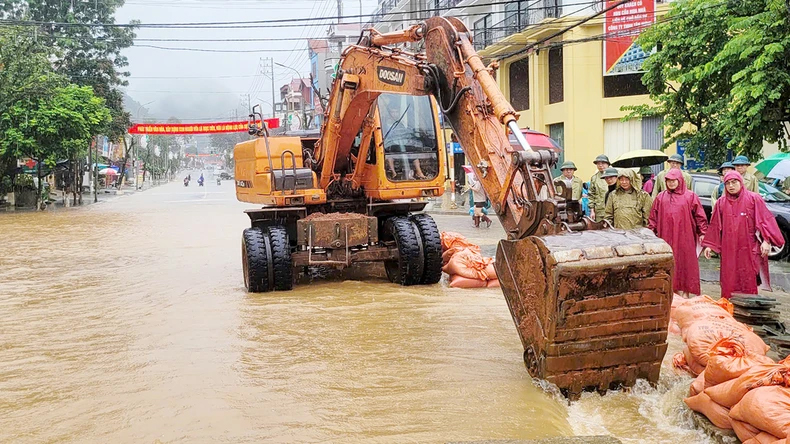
x=95, y=172
x=268, y=63
x=361, y=23
x=339, y=11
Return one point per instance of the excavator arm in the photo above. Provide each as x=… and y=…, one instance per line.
x=591, y=304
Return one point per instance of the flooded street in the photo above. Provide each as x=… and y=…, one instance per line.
x=128, y=322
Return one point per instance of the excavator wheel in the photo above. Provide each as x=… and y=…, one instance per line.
x=254, y=260
x=281, y=258
x=431, y=248
x=408, y=268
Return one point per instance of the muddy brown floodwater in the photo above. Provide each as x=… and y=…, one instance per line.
x=127, y=322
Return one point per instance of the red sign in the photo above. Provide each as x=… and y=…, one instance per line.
x=622, y=26
x=175, y=129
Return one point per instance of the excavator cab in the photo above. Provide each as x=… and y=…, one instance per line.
x=405, y=158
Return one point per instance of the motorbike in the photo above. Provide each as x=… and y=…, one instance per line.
x=186, y=182
x=200, y=182
x=219, y=181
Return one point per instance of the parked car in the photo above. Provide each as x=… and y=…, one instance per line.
x=777, y=201
x=225, y=176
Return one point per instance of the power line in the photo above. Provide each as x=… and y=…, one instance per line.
x=259, y=23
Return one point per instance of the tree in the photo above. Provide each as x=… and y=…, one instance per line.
x=58, y=125
x=721, y=75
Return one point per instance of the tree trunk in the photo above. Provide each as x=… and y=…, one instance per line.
x=79, y=179
x=127, y=155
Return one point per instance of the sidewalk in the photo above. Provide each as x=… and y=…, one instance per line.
x=103, y=195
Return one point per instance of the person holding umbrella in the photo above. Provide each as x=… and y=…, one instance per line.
x=648, y=181
x=628, y=206
x=598, y=189
x=568, y=181
x=749, y=181
x=678, y=218
x=675, y=162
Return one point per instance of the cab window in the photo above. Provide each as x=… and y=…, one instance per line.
x=411, y=151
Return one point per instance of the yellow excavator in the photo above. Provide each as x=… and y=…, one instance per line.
x=590, y=303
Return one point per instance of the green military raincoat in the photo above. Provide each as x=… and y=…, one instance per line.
x=751, y=183
x=576, y=186
x=628, y=209
x=661, y=184
x=597, y=195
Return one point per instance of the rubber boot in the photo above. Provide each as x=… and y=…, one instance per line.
x=476, y=220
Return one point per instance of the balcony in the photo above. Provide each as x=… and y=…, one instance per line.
x=515, y=22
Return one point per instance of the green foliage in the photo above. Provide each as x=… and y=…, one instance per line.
x=721, y=76
x=55, y=126
x=85, y=55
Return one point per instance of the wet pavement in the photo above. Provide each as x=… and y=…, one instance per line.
x=128, y=322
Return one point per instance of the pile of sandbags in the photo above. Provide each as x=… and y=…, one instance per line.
x=737, y=386
x=464, y=263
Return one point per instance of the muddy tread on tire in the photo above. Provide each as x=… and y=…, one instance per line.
x=407, y=270
x=431, y=247
x=281, y=258
x=255, y=260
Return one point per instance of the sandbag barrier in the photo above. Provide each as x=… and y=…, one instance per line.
x=737, y=386
x=465, y=265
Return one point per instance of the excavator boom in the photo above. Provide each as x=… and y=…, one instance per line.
x=591, y=303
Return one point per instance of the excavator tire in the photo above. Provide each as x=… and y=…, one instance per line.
x=431, y=248
x=408, y=268
x=254, y=260
x=281, y=258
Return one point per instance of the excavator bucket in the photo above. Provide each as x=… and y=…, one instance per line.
x=591, y=307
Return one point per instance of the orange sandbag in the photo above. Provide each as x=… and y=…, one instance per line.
x=744, y=430
x=452, y=239
x=730, y=393
x=717, y=414
x=698, y=386
x=458, y=281
x=729, y=359
x=493, y=283
x=766, y=408
x=679, y=362
x=767, y=438
x=696, y=308
x=674, y=328
x=469, y=264
x=704, y=333
x=726, y=305
x=451, y=251
x=491, y=271
x=692, y=362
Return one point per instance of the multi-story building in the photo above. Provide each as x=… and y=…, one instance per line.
x=559, y=86
x=297, y=99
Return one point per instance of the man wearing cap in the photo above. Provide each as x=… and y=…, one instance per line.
x=749, y=181
x=568, y=181
x=628, y=207
x=598, y=188
x=725, y=168
x=675, y=162
x=648, y=181
x=610, y=177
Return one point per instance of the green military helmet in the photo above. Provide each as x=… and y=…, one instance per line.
x=741, y=160
x=645, y=170
x=726, y=165
x=568, y=166
x=602, y=158
x=610, y=172
x=675, y=158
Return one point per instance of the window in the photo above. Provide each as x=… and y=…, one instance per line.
x=411, y=150
x=519, y=84
x=557, y=132
x=623, y=85
x=556, y=81
x=704, y=188
x=553, y=8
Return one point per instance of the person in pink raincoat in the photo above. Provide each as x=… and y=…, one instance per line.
x=738, y=218
x=678, y=218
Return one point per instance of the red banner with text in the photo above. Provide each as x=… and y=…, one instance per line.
x=175, y=129
x=622, y=26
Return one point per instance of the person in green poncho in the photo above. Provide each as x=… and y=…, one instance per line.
x=568, y=181
x=598, y=189
x=628, y=207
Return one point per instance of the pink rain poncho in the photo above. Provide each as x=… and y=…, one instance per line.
x=732, y=233
x=678, y=218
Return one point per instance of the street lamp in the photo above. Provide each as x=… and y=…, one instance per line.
x=301, y=96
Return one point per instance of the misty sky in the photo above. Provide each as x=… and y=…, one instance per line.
x=208, y=86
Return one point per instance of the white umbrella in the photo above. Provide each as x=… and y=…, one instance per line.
x=108, y=172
